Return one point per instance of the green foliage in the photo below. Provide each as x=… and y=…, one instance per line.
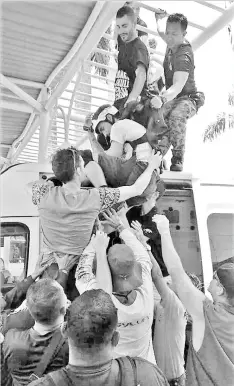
x=222, y=122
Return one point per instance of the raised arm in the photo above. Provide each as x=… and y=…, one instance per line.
x=189, y=295
x=103, y=275
x=129, y=239
x=159, y=15
x=142, y=182
x=85, y=279
x=156, y=273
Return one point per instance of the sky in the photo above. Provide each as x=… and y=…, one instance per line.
x=214, y=74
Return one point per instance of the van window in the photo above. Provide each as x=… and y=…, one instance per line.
x=221, y=236
x=14, y=252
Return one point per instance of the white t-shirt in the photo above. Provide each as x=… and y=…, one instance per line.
x=127, y=130
x=134, y=321
x=169, y=335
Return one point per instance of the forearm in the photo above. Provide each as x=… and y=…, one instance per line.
x=16, y=296
x=160, y=31
x=170, y=256
x=143, y=181
x=103, y=274
x=62, y=278
x=95, y=145
x=138, y=85
x=172, y=92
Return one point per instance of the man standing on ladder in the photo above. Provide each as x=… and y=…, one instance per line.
x=133, y=60
x=180, y=100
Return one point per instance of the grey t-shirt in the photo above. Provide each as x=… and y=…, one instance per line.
x=67, y=219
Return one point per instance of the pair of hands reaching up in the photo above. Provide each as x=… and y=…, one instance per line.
x=116, y=221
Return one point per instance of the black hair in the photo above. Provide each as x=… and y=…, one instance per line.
x=64, y=164
x=178, y=18
x=92, y=320
x=126, y=10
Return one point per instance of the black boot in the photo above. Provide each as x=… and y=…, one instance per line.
x=177, y=162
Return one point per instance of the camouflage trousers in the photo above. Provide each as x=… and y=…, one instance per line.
x=176, y=114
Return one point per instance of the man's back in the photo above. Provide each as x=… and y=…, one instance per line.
x=122, y=372
x=213, y=363
x=23, y=350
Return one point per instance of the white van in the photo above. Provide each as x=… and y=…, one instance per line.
x=201, y=215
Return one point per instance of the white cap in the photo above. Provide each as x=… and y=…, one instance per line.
x=102, y=116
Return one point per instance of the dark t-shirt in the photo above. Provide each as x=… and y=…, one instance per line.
x=150, y=230
x=130, y=55
x=107, y=374
x=23, y=351
x=181, y=60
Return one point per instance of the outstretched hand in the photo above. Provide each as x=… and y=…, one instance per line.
x=155, y=159
x=156, y=102
x=88, y=123
x=136, y=226
x=162, y=223
x=67, y=262
x=38, y=271
x=100, y=241
x=160, y=14
x=112, y=219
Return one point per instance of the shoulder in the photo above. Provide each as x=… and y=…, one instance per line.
x=44, y=381
x=39, y=190
x=15, y=341
x=138, y=43
x=185, y=49
x=150, y=372
x=54, y=378
x=15, y=333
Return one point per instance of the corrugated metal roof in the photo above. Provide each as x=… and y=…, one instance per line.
x=37, y=36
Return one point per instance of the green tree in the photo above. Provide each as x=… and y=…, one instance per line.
x=224, y=121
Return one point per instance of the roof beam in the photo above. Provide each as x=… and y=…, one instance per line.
x=214, y=28
x=89, y=42
x=18, y=106
x=26, y=83
x=5, y=146
x=153, y=9
x=21, y=93
x=209, y=5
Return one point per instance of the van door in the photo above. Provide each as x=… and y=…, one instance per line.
x=214, y=205
x=19, y=248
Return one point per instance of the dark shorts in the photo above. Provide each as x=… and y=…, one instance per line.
x=125, y=173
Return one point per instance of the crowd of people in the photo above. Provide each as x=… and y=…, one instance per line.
x=109, y=300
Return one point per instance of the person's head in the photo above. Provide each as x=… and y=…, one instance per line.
x=103, y=119
x=176, y=29
x=125, y=270
x=46, y=301
x=222, y=285
x=126, y=24
x=67, y=164
x=2, y=264
x=91, y=323
x=134, y=5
